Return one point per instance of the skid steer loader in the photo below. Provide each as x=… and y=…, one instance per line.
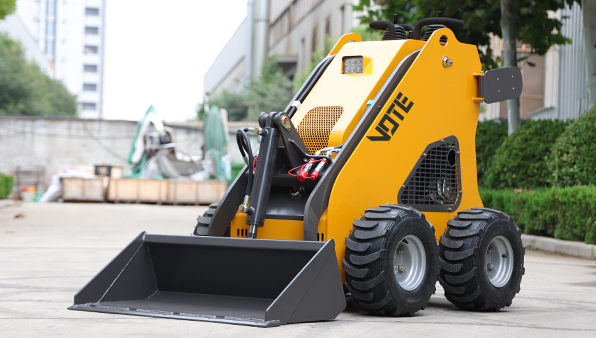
x=364, y=186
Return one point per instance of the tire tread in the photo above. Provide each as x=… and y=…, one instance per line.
x=460, y=270
x=366, y=254
x=203, y=221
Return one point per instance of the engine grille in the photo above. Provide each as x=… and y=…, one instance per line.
x=316, y=127
x=436, y=179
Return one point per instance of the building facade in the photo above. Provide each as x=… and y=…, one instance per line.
x=13, y=26
x=290, y=30
x=72, y=36
x=555, y=87
x=554, y=83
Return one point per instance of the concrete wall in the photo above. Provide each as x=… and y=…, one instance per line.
x=61, y=143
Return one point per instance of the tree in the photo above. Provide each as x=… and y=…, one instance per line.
x=528, y=22
x=270, y=92
x=320, y=53
x=478, y=16
x=366, y=33
x=7, y=7
x=25, y=89
x=524, y=21
x=317, y=56
x=508, y=24
x=232, y=100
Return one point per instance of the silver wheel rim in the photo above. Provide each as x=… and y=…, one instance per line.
x=499, y=261
x=409, y=263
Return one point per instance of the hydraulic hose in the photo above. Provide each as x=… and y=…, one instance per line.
x=308, y=84
x=247, y=154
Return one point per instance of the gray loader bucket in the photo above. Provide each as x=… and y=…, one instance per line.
x=229, y=280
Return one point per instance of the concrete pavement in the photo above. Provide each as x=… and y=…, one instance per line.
x=50, y=254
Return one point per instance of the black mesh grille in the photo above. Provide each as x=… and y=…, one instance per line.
x=436, y=181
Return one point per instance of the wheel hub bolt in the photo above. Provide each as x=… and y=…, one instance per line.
x=489, y=266
x=401, y=268
x=399, y=252
x=489, y=251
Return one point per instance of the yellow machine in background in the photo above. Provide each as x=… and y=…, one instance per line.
x=355, y=182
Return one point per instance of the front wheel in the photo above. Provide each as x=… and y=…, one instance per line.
x=481, y=260
x=391, y=261
x=202, y=227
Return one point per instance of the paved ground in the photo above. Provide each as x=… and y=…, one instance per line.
x=52, y=252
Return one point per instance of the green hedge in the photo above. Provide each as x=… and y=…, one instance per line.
x=489, y=136
x=574, y=153
x=520, y=161
x=566, y=213
x=5, y=185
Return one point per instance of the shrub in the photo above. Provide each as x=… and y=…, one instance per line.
x=566, y=213
x=520, y=162
x=574, y=153
x=5, y=185
x=489, y=136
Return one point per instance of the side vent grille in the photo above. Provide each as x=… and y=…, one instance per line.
x=242, y=233
x=316, y=126
x=435, y=183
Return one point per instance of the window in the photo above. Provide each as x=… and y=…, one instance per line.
x=91, y=49
x=51, y=28
x=90, y=68
x=91, y=11
x=89, y=106
x=50, y=47
x=89, y=87
x=51, y=7
x=290, y=17
x=91, y=30
x=328, y=26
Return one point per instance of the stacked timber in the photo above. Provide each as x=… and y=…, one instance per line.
x=133, y=190
x=79, y=189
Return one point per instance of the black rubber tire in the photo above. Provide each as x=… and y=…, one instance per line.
x=462, y=260
x=368, y=263
x=202, y=227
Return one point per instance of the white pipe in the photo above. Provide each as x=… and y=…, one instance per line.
x=248, y=57
x=261, y=35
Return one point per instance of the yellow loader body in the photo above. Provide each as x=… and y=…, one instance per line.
x=446, y=106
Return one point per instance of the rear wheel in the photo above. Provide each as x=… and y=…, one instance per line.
x=202, y=227
x=391, y=261
x=481, y=260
